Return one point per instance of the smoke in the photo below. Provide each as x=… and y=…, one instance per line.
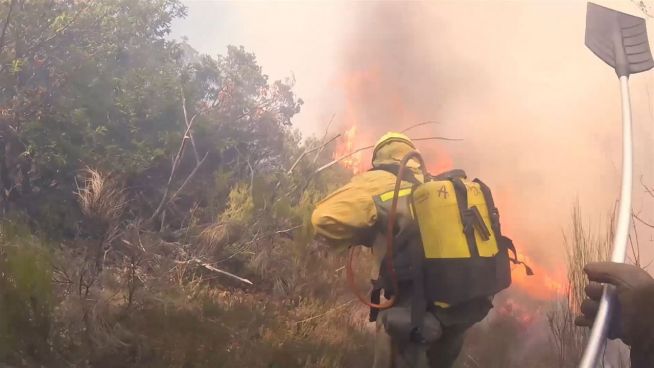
x=539, y=114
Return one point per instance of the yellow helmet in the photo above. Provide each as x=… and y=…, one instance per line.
x=392, y=137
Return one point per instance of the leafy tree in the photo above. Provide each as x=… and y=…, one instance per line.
x=95, y=101
x=99, y=85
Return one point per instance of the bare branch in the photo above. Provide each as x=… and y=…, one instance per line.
x=187, y=122
x=173, y=171
x=329, y=124
x=285, y=231
x=436, y=139
x=647, y=190
x=247, y=161
x=643, y=221
x=4, y=27
x=326, y=313
x=428, y=122
x=189, y=177
x=176, y=160
x=339, y=159
x=214, y=269
x=305, y=153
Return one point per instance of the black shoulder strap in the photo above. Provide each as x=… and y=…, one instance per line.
x=461, y=192
x=395, y=170
x=494, y=214
x=492, y=210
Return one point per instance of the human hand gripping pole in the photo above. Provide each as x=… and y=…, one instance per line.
x=620, y=40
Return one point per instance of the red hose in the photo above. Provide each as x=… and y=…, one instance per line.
x=390, y=230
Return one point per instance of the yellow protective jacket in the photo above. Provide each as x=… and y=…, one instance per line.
x=349, y=215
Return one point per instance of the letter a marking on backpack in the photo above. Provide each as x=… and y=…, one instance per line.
x=443, y=191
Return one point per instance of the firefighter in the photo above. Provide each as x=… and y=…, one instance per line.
x=633, y=316
x=356, y=215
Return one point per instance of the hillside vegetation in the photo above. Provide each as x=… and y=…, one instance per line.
x=155, y=206
x=138, y=179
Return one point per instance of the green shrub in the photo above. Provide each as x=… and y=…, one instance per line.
x=25, y=295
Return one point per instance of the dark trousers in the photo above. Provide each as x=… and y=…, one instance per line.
x=394, y=353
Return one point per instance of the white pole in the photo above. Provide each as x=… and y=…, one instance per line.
x=599, y=331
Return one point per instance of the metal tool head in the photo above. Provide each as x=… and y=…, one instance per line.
x=619, y=39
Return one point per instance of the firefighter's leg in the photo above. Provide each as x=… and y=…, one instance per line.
x=394, y=337
x=392, y=354
x=383, y=347
x=443, y=353
x=411, y=355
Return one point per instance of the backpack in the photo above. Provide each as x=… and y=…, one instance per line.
x=448, y=243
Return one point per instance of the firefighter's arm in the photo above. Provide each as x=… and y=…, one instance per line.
x=346, y=217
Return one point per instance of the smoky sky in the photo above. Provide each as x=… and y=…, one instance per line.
x=539, y=115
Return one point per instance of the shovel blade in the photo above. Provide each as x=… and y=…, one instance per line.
x=619, y=39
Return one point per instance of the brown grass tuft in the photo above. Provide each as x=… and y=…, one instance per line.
x=101, y=197
x=216, y=236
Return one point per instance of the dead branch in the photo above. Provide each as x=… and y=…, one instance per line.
x=173, y=171
x=428, y=122
x=243, y=248
x=189, y=177
x=340, y=306
x=247, y=161
x=214, y=269
x=339, y=159
x=4, y=27
x=188, y=136
x=647, y=190
x=329, y=124
x=436, y=139
x=643, y=221
x=195, y=150
x=314, y=149
x=285, y=231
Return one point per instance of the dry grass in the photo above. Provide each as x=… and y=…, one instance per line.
x=101, y=197
x=582, y=245
x=213, y=239
x=297, y=315
x=150, y=306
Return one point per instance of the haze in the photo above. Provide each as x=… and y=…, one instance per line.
x=538, y=112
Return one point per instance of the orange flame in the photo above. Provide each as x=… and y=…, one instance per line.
x=346, y=146
x=375, y=104
x=437, y=160
x=542, y=285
